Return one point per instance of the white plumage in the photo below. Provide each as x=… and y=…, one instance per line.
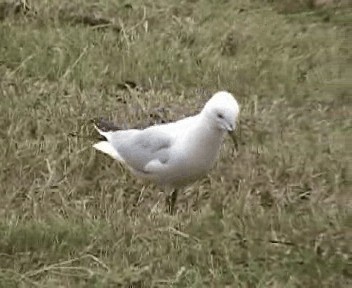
x=176, y=153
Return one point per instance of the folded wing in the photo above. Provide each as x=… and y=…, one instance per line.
x=137, y=148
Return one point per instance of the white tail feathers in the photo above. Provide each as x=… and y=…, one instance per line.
x=107, y=135
x=107, y=148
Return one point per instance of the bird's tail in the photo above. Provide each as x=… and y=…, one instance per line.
x=106, y=135
x=105, y=146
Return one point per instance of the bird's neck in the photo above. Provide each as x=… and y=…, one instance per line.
x=208, y=123
x=208, y=134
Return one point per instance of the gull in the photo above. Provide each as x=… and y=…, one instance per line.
x=178, y=153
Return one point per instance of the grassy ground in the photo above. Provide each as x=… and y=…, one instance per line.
x=276, y=213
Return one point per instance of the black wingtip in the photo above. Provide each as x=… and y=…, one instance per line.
x=105, y=125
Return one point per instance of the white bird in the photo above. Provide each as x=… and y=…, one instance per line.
x=178, y=153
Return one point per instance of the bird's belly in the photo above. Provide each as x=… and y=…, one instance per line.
x=184, y=171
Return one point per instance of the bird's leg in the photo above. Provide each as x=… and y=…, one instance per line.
x=171, y=200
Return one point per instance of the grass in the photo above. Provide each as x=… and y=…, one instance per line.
x=276, y=213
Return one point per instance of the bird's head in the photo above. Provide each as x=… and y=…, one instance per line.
x=222, y=110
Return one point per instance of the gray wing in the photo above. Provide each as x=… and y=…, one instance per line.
x=139, y=147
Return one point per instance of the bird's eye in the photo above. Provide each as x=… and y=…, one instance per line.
x=220, y=116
